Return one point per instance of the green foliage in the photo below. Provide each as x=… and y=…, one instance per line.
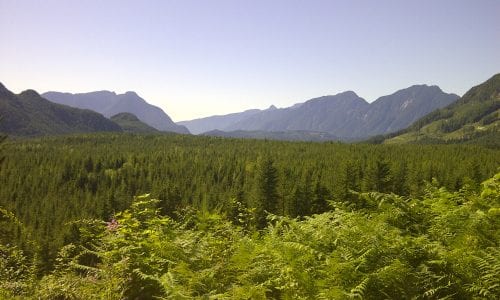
x=443, y=245
x=78, y=177
x=240, y=219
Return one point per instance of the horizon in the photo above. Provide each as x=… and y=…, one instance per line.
x=195, y=59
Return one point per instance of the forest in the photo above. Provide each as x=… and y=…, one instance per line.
x=167, y=216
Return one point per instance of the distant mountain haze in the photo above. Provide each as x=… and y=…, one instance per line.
x=345, y=115
x=109, y=104
x=202, y=125
x=29, y=114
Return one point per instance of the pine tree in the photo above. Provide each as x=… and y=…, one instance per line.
x=321, y=195
x=378, y=177
x=267, y=197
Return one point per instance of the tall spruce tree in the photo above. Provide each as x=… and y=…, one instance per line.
x=267, y=196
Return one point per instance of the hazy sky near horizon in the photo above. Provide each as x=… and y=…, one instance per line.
x=199, y=58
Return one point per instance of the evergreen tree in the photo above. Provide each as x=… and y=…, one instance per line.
x=401, y=180
x=321, y=195
x=378, y=177
x=347, y=181
x=267, y=191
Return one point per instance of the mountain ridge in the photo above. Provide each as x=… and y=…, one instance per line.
x=29, y=114
x=110, y=103
x=475, y=116
x=344, y=115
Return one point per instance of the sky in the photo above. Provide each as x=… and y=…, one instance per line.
x=200, y=58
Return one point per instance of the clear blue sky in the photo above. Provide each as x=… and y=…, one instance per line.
x=198, y=58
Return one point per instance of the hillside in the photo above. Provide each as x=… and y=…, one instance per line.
x=28, y=114
x=344, y=115
x=474, y=117
x=130, y=123
x=109, y=104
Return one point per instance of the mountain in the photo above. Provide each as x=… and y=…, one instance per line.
x=109, y=104
x=345, y=115
x=325, y=114
x=130, y=123
x=474, y=117
x=29, y=114
x=399, y=110
x=276, y=135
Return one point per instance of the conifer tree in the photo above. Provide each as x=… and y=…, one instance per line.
x=267, y=197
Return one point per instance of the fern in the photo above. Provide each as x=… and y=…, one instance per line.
x=488, y=284
x=358, y=292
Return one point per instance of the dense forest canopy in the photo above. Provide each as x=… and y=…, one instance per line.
x=331, y=220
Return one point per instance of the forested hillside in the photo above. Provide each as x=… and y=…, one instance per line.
x=109, y=104
x=473, y=118
x=28, y=114
x=240, y=219
x=130, y=123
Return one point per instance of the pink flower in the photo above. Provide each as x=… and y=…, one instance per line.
x=112, y=225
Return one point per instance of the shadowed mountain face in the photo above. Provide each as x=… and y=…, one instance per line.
x=473, y=118
x=397, y=111
x=29, y=114
x=345, y=115
x=110, y=104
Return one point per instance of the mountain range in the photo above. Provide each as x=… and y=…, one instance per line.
x=420, y=113
x=109, y=104
x=344, y=115
x=475, y=117
x=29, y=114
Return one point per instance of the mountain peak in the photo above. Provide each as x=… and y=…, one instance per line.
x=109, y=104
x=348, y=94
x=132, y=93
x=424, y=86
x=272, y=107
x=30, y=93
